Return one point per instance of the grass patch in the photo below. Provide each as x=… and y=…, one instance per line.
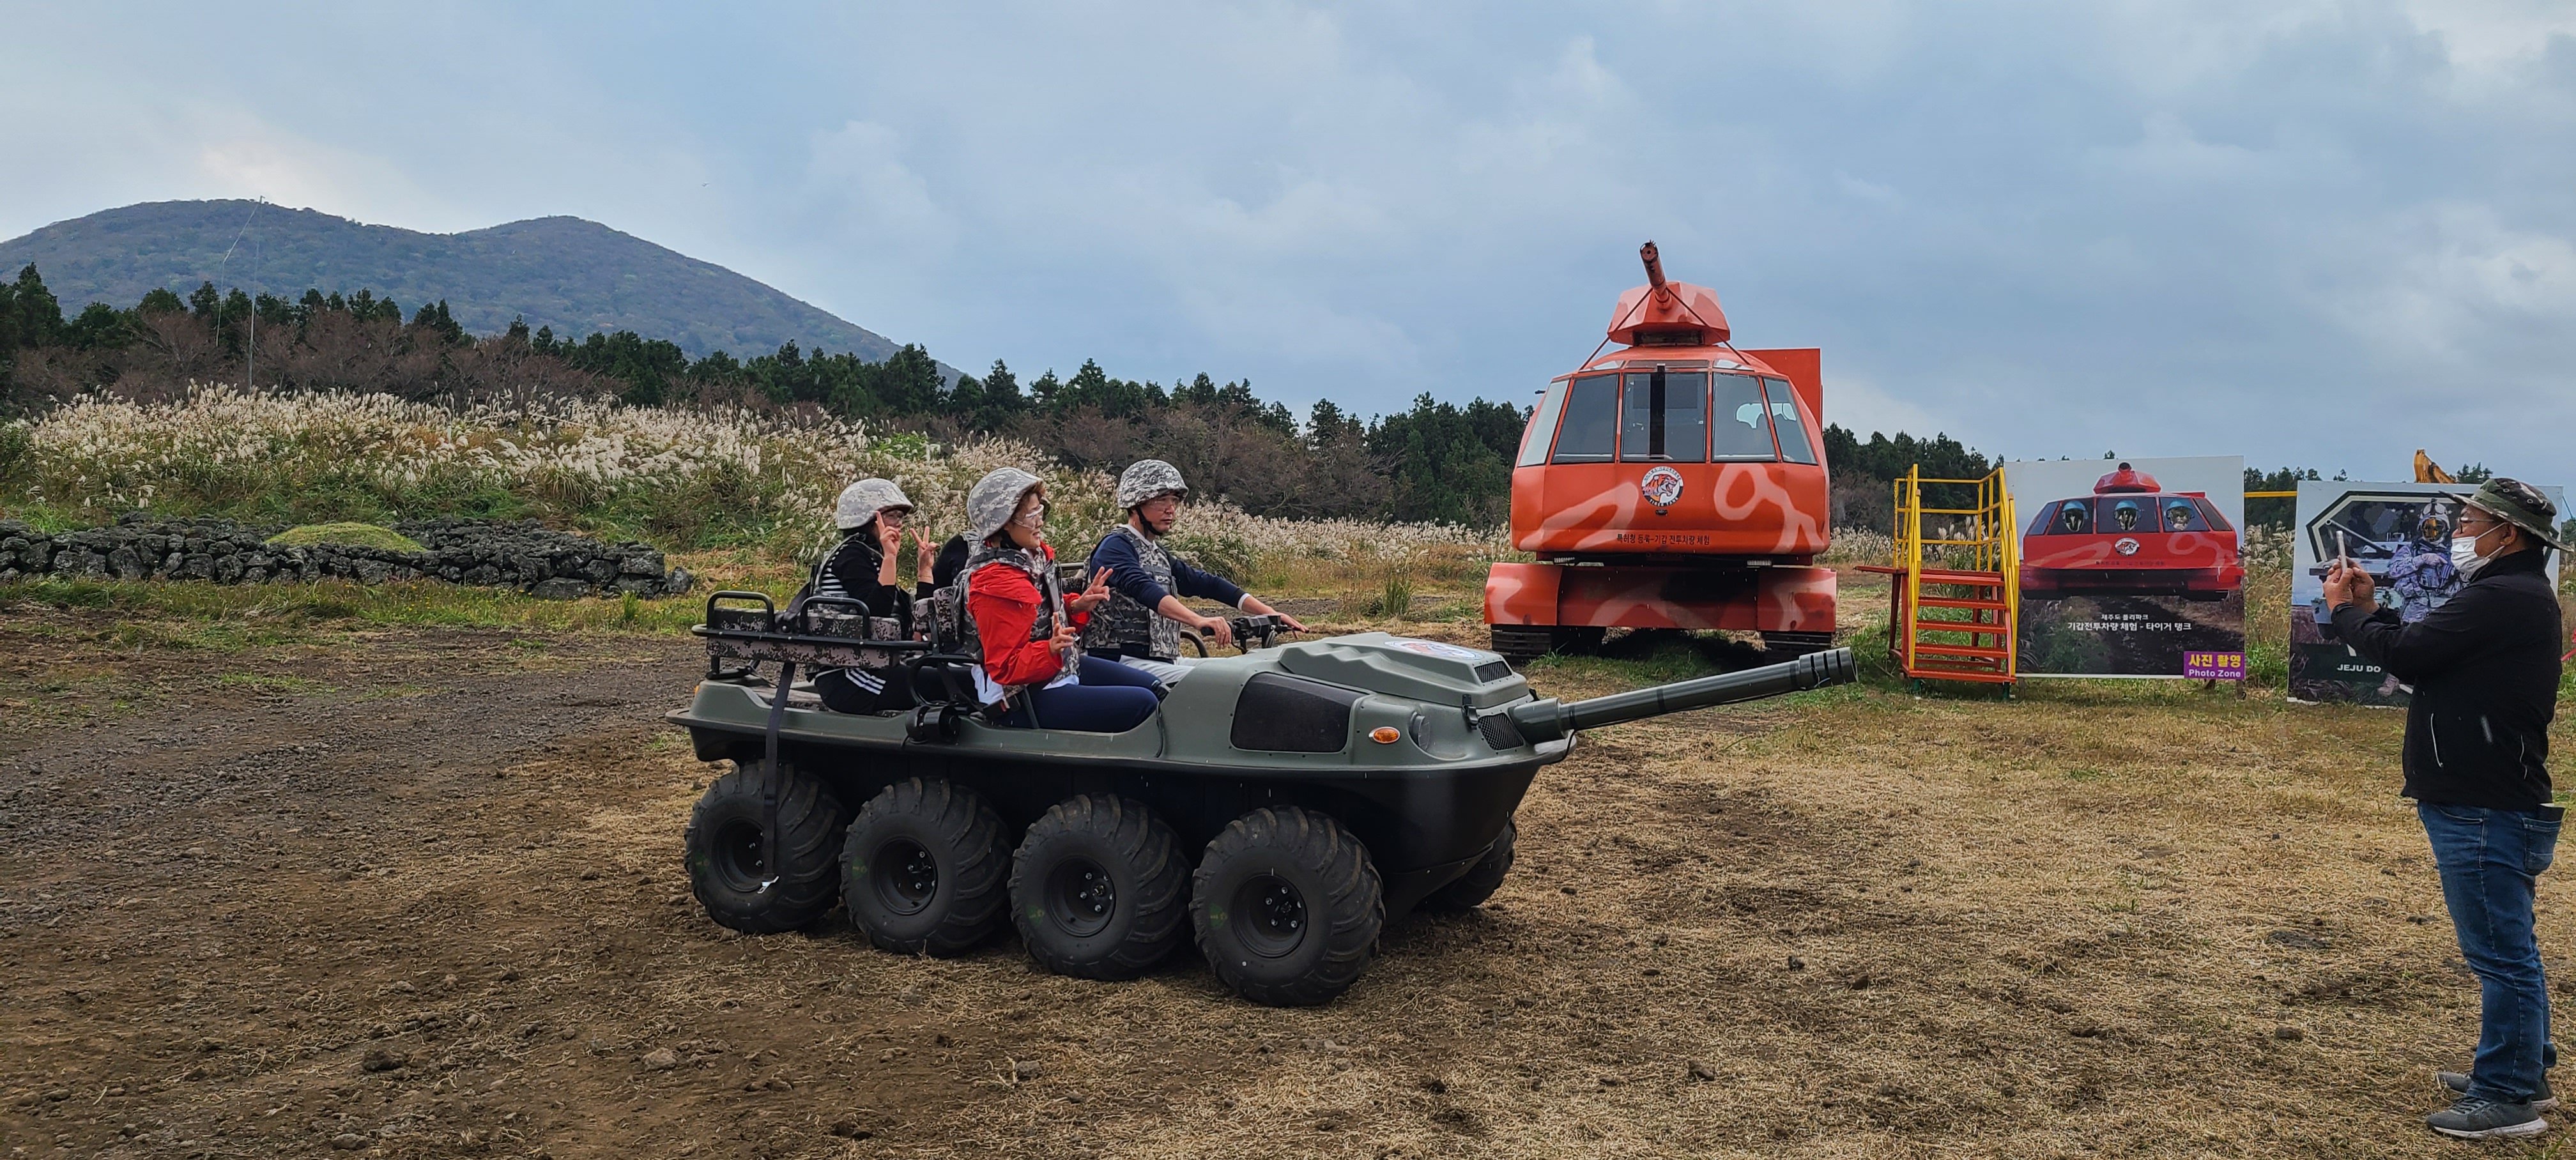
x=267, y=683
x=355, y=535
x=202, y=616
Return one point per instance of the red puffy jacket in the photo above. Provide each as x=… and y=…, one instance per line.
x=1004, y=603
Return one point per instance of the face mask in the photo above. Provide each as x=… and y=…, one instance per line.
x=2464, y=555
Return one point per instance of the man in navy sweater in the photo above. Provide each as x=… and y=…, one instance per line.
x=2484, y=667
x=1141, y=625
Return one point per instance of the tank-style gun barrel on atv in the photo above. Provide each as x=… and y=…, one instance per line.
x=1546, y=719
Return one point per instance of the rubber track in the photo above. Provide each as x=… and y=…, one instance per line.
x=971, y=830
x=810, y=822
x=1162, y=882
x=1355, y=899
x=1521, y=643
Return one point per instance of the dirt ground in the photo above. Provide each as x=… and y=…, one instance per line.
x=420, y=896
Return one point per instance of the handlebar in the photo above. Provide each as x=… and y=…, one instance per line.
x=1254, y=631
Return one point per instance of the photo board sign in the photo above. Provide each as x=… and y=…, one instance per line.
x=2400, y=533
x=2131, y=568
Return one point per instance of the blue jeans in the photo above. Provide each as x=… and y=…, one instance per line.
x=2488, y=859
x=1112, y=698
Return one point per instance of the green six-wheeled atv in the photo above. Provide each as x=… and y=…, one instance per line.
x=1281, y=806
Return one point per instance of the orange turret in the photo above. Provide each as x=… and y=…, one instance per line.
x=1674, y=483
x=1662, y=313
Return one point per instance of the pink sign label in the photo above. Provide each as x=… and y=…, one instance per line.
x=2214, y=666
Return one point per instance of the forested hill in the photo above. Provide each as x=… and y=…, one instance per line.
x=578, y=277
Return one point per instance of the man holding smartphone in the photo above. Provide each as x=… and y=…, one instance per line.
x=2485, y=670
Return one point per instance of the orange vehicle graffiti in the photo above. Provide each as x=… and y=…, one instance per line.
x=1674, y=482
x=2130, y=538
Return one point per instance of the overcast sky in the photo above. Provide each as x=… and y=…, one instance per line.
x=2308, y=232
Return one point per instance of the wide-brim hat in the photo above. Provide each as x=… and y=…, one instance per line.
x=861, y=501
x=2521, y=505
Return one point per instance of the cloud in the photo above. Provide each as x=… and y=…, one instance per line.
x=2483, y=34
x=1861, y=405
x=2186, y=224
x=256, y=161
x=866, y=195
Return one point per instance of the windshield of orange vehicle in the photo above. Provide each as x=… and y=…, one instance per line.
x=1784, y=416
x=2122, y=514
x=1542, y=426
x=1665, y=418
x=1743, y=427
x=1591, y=421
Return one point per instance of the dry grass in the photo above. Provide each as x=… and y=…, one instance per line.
x=2117, y=919
x=2092, y=920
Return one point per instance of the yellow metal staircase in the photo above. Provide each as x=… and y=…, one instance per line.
x=1956, y=591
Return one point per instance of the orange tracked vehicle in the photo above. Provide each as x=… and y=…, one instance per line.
x=1676, y=482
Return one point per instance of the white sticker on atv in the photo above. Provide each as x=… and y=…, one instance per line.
x=1433, y=648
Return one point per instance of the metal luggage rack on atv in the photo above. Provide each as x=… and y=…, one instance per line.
x=823, y=633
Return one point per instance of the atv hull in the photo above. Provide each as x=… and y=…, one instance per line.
x=1426, y=816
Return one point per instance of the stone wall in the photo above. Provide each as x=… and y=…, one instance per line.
x=521, y=555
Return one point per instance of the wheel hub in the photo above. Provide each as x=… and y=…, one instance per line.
x=1081, y=897
x=1274, y=914
x=738, y=856
x=905, y=876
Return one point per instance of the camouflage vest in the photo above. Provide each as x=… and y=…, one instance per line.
x=1132, y=628
x=1050, y=594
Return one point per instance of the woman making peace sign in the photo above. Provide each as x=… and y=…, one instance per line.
x=1026, y=630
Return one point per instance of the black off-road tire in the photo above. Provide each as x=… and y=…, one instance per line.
x=1481, y=880
x=1287, y=907
x=722, y=849
x=924, y=868
x=1099, y=888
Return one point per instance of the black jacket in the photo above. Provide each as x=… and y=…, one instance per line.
x=2484, y=666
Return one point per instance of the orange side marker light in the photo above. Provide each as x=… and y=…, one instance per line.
x=1385, y=734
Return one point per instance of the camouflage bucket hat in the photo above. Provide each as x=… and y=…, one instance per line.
x=1147, y=478
x=991, y=501
x=2521, y=505
x=861, y=501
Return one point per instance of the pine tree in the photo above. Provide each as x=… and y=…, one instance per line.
x=99, y=327
x=39, y=316
x=999, y=399
x=908, y=383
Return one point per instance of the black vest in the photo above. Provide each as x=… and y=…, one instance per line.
x=1129, y=627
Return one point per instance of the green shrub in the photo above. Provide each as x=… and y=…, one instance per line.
x=17, y=449
x=350, y=534
x=1225, y=555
